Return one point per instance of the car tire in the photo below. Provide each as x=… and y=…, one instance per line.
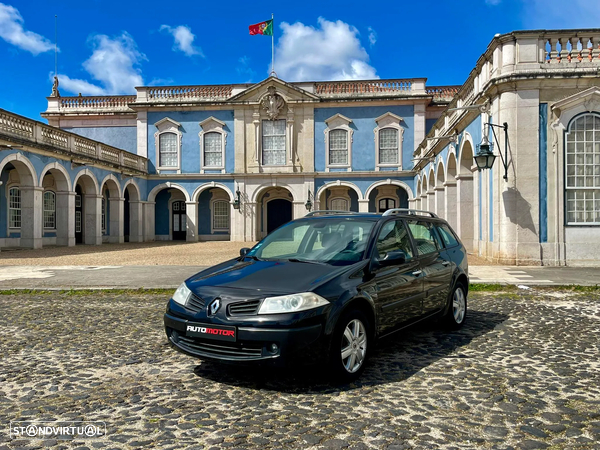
x=350, y=346
x=456, y=315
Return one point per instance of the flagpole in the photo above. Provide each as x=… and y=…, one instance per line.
x=272, y=46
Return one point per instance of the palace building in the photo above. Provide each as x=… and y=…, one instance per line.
x=234, y=162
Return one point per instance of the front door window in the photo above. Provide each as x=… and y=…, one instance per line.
x=179, y=221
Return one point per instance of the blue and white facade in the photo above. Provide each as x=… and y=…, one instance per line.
x=233, y=162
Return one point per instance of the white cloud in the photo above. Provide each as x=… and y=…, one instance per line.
x=114, y=63
x=372, y=36
x=332, y=51
x=77, y=86
x=11, y=30
x=184, y=39
x=550, y=14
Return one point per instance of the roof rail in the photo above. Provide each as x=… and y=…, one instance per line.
x=414, y=212
x=329, y=211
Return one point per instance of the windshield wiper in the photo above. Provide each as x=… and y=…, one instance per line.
x=305, y=261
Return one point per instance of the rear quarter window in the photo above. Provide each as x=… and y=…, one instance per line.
x=447, y=235
x=424, y=236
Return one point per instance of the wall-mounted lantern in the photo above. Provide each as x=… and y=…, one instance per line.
x=309, y=203
x=237, y=203
x=484, y=158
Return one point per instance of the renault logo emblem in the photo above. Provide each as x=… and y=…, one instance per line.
x=214, y=306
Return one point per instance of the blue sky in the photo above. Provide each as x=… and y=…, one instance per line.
x=108, y=47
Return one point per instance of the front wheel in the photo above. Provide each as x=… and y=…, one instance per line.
x=349, y=346
x=457, y=309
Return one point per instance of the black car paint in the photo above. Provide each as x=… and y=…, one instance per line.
x=392, y=305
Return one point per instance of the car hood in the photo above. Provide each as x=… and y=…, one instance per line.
x=266, y=277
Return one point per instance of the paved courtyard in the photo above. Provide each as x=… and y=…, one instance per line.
x=523, y=373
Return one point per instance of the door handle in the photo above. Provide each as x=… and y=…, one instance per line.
x=416, y=273
x=445, y=263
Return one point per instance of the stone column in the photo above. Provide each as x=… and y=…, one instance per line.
x=251, y=233
x=440, y=194
x=117, y=219
x=450, y=205
x=65, y=218
x=431, y=200
x=299, y=210
x=363, y=206
x=31, y=216
x=465, y=213
x=148, y=226
x=424, y=204
x=136, y=224
x=191, y=221
x=92, y=210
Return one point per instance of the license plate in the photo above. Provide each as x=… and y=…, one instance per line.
x=215, y=332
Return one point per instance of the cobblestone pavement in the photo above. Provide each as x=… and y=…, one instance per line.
x=523, y=373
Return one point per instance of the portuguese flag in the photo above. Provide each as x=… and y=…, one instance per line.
x=264, y=28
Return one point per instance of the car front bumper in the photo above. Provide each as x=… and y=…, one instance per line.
x=276, y=346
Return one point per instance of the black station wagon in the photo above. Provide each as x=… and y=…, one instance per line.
x=323, y=288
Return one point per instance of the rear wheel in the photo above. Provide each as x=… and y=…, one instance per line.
x=349, y=345
x=457, y=309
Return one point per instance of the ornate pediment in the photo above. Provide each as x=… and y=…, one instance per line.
x=289, y=92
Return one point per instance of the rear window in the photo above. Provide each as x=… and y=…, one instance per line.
x=447, y=235
x=424, y=236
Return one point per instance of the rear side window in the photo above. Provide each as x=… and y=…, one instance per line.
x=447, y=235
x=392, y=237
x=424, y=236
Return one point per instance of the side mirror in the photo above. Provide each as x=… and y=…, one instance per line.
x=244, y=251
x=394, y=258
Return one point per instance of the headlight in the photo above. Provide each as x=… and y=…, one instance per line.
x=182, y=294
x=291, y=303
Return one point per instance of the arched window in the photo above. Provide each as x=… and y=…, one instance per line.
x=220, y=215
x=213, y=150
x=385, y=203
x=338, y=147
x=50, y=210
x=340, y=204
x=167, y=150
x=583, y=170
x=14, y=208
x=388, y=146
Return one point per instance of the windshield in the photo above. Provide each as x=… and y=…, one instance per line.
x=337, y=242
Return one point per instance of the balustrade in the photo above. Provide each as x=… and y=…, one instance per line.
x=219, y=92
x=39, y=133
x=571, y=49
x=385, y=87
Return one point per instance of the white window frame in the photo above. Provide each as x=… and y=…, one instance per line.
x=103, y=207
x=52, y=211
x=213, y=205
x=11, y=208
x=163, y=126
x=212, y=125
x=338, y=122
x=389, y=120
x=262, y=144
x=585, y=191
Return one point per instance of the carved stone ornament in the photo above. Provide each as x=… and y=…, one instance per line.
x=272, y=103
x=591, y=104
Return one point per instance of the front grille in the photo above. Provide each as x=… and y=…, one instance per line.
x=231, y=350
x=195, y=303
x=248, y=308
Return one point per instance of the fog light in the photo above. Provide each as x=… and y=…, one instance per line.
x=273, y=348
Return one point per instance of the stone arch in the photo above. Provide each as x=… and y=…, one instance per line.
x=135, y=190
x=263, y=188
x=467, y=149
x=168, y=185
x=205, y=186
x=274, y=207
x=399, y=183
x=89, y=181
x=347, y=184
x=112, y=184
x=61, y=176
x=440, y=174
x=24, y=167
x=451, y=168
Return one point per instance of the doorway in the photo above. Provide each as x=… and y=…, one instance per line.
x=179, y=221
x=279, y=211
